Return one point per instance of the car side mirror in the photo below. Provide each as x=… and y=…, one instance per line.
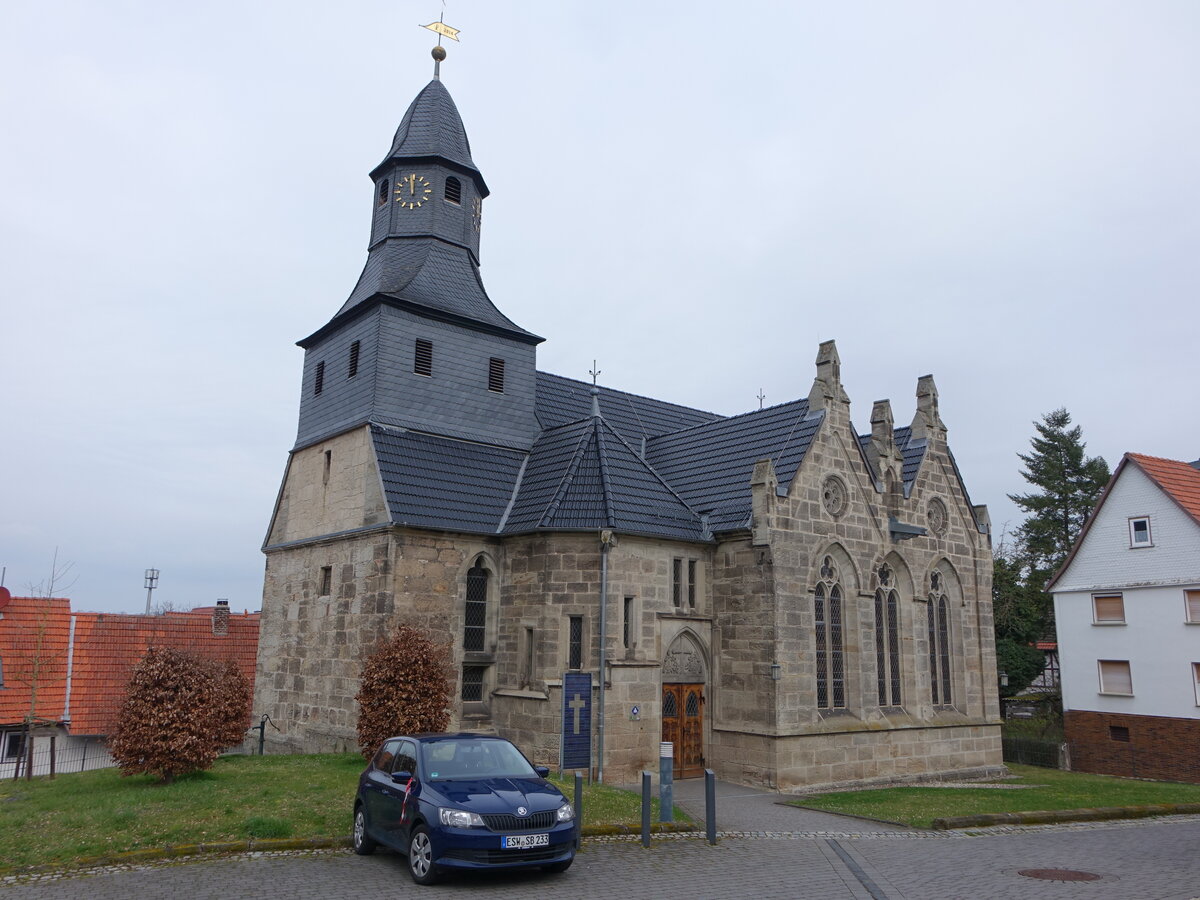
x=542, y=771
x=402, y=777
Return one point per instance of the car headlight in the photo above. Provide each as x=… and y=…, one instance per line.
x=459, y=818
x=566, y=813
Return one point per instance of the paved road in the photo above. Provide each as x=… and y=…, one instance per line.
x=793, y=854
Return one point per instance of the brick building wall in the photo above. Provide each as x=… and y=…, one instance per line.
x=1158, y=747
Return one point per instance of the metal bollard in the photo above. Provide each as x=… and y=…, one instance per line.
x=666, y=782
x=578, y=809
x=646, y=809
x=710, y=806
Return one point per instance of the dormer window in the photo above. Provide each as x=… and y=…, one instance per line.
x=453, y=190
x=384, y=187
x=1139, y=532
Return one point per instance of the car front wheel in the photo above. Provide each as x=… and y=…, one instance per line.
x=420, y=857
x=363, y=845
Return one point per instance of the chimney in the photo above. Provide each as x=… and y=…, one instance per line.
x=220, y=618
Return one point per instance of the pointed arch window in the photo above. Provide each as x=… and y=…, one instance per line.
x=887, y=638
x=829, y=642
x=938, y=624
x=453, y=190
x=475, y=618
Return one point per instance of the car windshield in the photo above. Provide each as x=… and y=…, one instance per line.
x=468, y=758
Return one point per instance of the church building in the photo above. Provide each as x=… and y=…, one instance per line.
x=786, y=600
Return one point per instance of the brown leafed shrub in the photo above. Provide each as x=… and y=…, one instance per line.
x=405, y=689
x=180, y=711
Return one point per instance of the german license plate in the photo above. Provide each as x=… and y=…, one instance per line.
x=525, y=841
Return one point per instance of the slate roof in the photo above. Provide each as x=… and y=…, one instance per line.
x=438, y=482
x=584, y=476
x=912, y=453
x=431, y=275
x=710, y=465
x=102, y=653
x=561, y=400
x=431, y=126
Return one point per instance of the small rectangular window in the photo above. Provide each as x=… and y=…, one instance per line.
x=472, y=683
x=1191, y=599
x=691, y=586
x=1115, y=677
x=328, y=467
x=326, y=580
x=1139, y=532
x=1118, y=733
x=627, y=623
x=677, y=582
x=320, y=385
x=575, y=643
x=14, y=745
x=1108, y=609
x=530, y=648
x=496, y=375
x=1196, y=681
x=423, y=358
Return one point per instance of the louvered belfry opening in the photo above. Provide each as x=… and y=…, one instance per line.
x=453, y=190
x=320, y=383
x=475, y=619
x=423, y=357
x=354, y=351
x=496, y=375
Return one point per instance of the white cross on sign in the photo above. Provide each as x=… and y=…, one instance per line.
x=578, y=704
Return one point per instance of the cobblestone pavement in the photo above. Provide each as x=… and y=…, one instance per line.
x=1142, y=860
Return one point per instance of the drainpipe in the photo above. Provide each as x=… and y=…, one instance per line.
x=606, y=539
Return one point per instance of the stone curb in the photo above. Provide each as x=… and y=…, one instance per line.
x=1053, y=816
x=173, y=851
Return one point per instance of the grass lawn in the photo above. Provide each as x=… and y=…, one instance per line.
x=1048, y=789
x=89, y=814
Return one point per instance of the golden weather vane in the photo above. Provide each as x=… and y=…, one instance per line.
x=442, y=30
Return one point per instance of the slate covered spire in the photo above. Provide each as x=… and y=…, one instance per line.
x=426, y=218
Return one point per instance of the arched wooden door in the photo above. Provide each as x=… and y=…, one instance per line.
x=683, y=726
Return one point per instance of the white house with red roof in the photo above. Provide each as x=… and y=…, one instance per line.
x=66, y=672
x=1127, y=606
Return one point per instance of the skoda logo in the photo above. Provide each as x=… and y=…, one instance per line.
x=521, y=811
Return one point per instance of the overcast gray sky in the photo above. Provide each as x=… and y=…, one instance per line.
x=696, y=194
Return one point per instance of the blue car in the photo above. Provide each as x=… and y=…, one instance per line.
x=462, y=801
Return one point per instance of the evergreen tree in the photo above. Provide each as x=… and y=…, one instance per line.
x=1068, y=485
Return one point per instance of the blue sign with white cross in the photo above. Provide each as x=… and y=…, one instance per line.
x=577, y=720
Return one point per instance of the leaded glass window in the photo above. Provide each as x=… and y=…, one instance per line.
x=828, y=640
x=887, y=639
x=938, y=622
x=475, y=620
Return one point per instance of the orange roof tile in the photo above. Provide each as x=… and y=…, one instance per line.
x=1180, y=480
x=34, y=636
x=100, y=657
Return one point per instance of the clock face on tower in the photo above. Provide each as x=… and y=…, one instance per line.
x=412, y=190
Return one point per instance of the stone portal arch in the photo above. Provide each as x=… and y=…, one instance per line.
x=684, y=679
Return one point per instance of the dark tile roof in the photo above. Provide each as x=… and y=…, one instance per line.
x=432, y=127
x=437, y=482
x=710, y=465
x=561, y=400
x=912, y=453
x=584, y=476
x=432, y=275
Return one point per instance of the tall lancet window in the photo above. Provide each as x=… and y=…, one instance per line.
x=475, y=620
x=830, y=653
x=887, y=638
x=938, y=616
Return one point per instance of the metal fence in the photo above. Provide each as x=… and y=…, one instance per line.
x=56, y=757
x=1032, y=752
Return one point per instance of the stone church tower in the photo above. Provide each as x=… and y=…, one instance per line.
x=788, y=601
